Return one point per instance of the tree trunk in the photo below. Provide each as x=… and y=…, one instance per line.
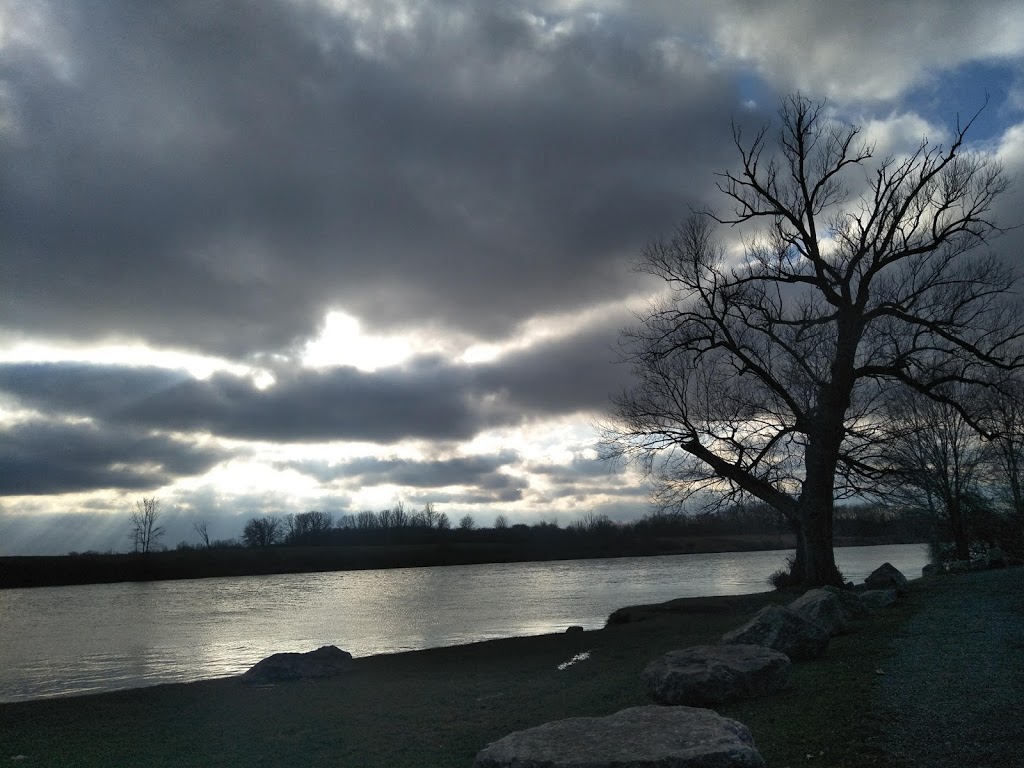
x=959, y=530
x=815, y=560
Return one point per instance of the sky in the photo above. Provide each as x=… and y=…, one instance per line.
x=269, y=257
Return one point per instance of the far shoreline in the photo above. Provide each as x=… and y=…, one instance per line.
x=27, y=571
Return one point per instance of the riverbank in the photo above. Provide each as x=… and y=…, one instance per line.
x=439, y=707
x=68, y=570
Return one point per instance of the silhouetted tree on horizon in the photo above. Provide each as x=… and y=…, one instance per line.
x=146, y=530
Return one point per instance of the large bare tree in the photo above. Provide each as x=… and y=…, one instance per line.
x=760, y=372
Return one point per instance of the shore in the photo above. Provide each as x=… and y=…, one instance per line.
x=66, y=570
x=439, y=707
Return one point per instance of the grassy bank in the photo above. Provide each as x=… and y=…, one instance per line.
x=439, y=707
x=47, y=571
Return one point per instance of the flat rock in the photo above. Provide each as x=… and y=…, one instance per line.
x=824, y=608
x=326, y=661
x=887, y=576
x=849, y=598
x=876, y=599
x=782, y=630
x=665, y=737
x=708, y=675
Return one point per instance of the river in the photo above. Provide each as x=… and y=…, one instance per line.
x=83, y=639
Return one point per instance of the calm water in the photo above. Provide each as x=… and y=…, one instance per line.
x=73, y=640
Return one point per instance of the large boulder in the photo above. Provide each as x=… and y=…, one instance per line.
x=849, y=598
x=824, y=608
x=876, y=599
x=708, y=675
x=326, y=661
x=666, y=737
x=782, y=630
x=887, y=576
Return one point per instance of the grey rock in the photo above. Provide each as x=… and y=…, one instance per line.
x=958, y=566
x=931, y=570
x=708, y=675
x=326, y=661
x=849, y=598
x=876, y=599
x=887, y=576
x=824, y=608
x=996, y=558
x=573, y=629
x=782, y=630
x=666, y=737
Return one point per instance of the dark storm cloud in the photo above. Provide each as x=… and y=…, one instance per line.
x=479, y=471
x=43, y=457
x=215, y=175
x=85, y=388
x=427, y=398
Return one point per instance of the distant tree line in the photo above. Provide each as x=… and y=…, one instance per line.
x=396, y=526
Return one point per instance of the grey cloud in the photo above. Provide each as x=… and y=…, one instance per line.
x=504, y=496
x=427, y=398
x=478, y=471
x=225, y=172
x=44, y=457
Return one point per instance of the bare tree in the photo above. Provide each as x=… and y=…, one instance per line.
x=262, y=531
x=760, y=374
x=934, y=460
x=1006, y=412
x=202, y=529
x=467, y=523
x=307, y=527
x=145, y=527
x=428, y=515
x=500, y=523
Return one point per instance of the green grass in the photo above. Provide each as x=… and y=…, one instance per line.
x=440, y=707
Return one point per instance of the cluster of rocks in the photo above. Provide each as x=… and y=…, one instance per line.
x=992, y=558
x=681, y=730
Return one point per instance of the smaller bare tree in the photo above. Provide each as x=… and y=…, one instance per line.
x=467, y=523
x=200, y=527
x=145, y=528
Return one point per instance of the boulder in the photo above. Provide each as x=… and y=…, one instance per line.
x=887, y=576
x=666, y=737
x=326, y=661
x=708, y=675
x=958, y=566
x=876, y=599
x=931, y=570
x=573, y=629
x=849, y=598
x=996, y=558
x=825, y=609
x=782, y=630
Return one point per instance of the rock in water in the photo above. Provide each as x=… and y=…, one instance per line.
x=708, y=675
x=666, y=737
x=824, y=608
x=326, y=661
x=887, y=576
x=782, y=630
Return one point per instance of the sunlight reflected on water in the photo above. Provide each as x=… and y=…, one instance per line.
x=73, y=640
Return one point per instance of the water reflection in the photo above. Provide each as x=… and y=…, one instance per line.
x=63, y=640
